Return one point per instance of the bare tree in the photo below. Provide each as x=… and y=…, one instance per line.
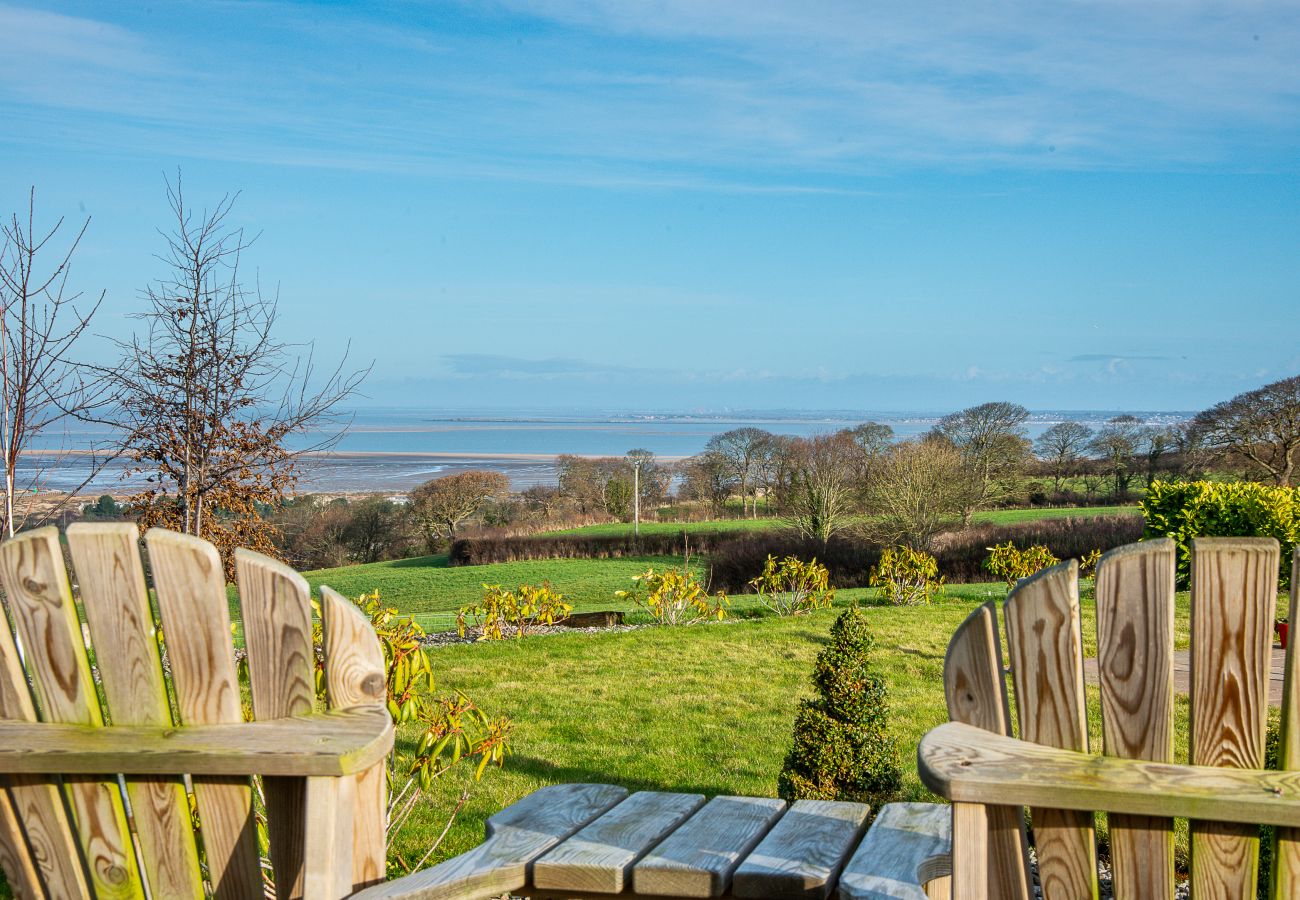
x=1156, y=443
x=819, y=497
x=1061, y=447
x=1116, y=443
x=991, y=440
x=918, y=493
x=1261, y=426
x=41, y=384
x=211, y=397
x=438, y=507
x=744, y=449
x=708, y=477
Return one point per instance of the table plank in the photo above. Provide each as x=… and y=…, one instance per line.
x=802, y=856
x=907, y=846
x=698, y=859
x=600, y=857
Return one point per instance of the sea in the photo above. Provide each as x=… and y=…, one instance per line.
x=390, y=450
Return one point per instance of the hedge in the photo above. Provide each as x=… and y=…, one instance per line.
x=960, y=554
x=1184, y=510
x=481, y=551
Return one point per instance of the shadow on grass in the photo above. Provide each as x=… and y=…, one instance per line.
x=545, y=770
x=439, y=561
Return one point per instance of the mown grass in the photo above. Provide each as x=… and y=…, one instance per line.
x=722, y=526
x=705, y=708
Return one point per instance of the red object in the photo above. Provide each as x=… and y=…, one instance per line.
x=1282, y=628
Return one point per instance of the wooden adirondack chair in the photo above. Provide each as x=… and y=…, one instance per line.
x=93, y=770
x=991, y=776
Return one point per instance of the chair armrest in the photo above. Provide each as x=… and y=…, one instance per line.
x=908, y=846
x=342, y=742
x=968, y=764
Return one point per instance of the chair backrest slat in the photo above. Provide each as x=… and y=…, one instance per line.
x=106, y=558
x=40, y=600
x=1135, y=662
x=46, y=845
x=1046, y=650
x=276, y=606
x=977, y=695
x=355, y=676
x=1286, y=852
x=1234, y=592
x=191, y=589
x=15, y=859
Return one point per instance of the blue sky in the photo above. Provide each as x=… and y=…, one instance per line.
x=695, y=205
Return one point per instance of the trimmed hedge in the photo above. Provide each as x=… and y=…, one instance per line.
x=961, y=554
x=481, y=551
x=1184, y=510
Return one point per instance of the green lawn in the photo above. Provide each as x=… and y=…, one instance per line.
x=704, y=708
x=717, y=526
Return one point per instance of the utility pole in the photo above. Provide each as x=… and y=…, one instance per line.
x=636, y=498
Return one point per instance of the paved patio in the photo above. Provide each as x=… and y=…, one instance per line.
x=1182, y=673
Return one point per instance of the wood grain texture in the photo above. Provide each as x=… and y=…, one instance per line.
x=1234, y=592
x=599, y=858
x=40, y=600
x=976, y=693
x=15, y=859
x=970, y=833
x=515, y=837
x=907, y=846
x=327, y=859
x=335, y=743
x=1135, y=661
x=699, y=858
x=972, y=765
x=190, y=585
x=276, y=606
x=1046, y=650
x=106, y=558
x=1286, y=847
x=355, y=676
x=801, y=857
x=47, y=841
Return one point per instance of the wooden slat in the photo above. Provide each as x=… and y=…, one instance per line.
x=1234, y=592
x=977, y=695
x=355, y=676
x=599, y=858
x=515, y=837
x=191, y=590
x=908, y=845
x=1286, y=852
x=345, y=742
x=328, y=827
x=276, y=606
x=1135, y=661
x=970, y=832
x=110, y=576
x=975, y=766
x=1046, y=650
x=40, y=599
x=698, y=859
x=15, y=859
x=802, y=855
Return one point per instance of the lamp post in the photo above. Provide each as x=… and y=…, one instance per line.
x=636, y=497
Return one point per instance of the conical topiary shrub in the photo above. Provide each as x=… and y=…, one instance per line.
x=842, y=749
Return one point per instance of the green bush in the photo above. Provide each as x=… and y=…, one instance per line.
x=906, y=576
x=842, y=748
x=1184, y=510
x=790, y=587
x=1010, y=563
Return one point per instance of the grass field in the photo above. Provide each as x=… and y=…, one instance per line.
x=705, y=708
x=718, y=526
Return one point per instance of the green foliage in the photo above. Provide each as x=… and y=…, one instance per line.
x=523, y=609
x=675, y=597
x=842, y=748
x=450, y=728
x=906, y=576
x=790, y=587
x=1010, y=563
x=1184, y=510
